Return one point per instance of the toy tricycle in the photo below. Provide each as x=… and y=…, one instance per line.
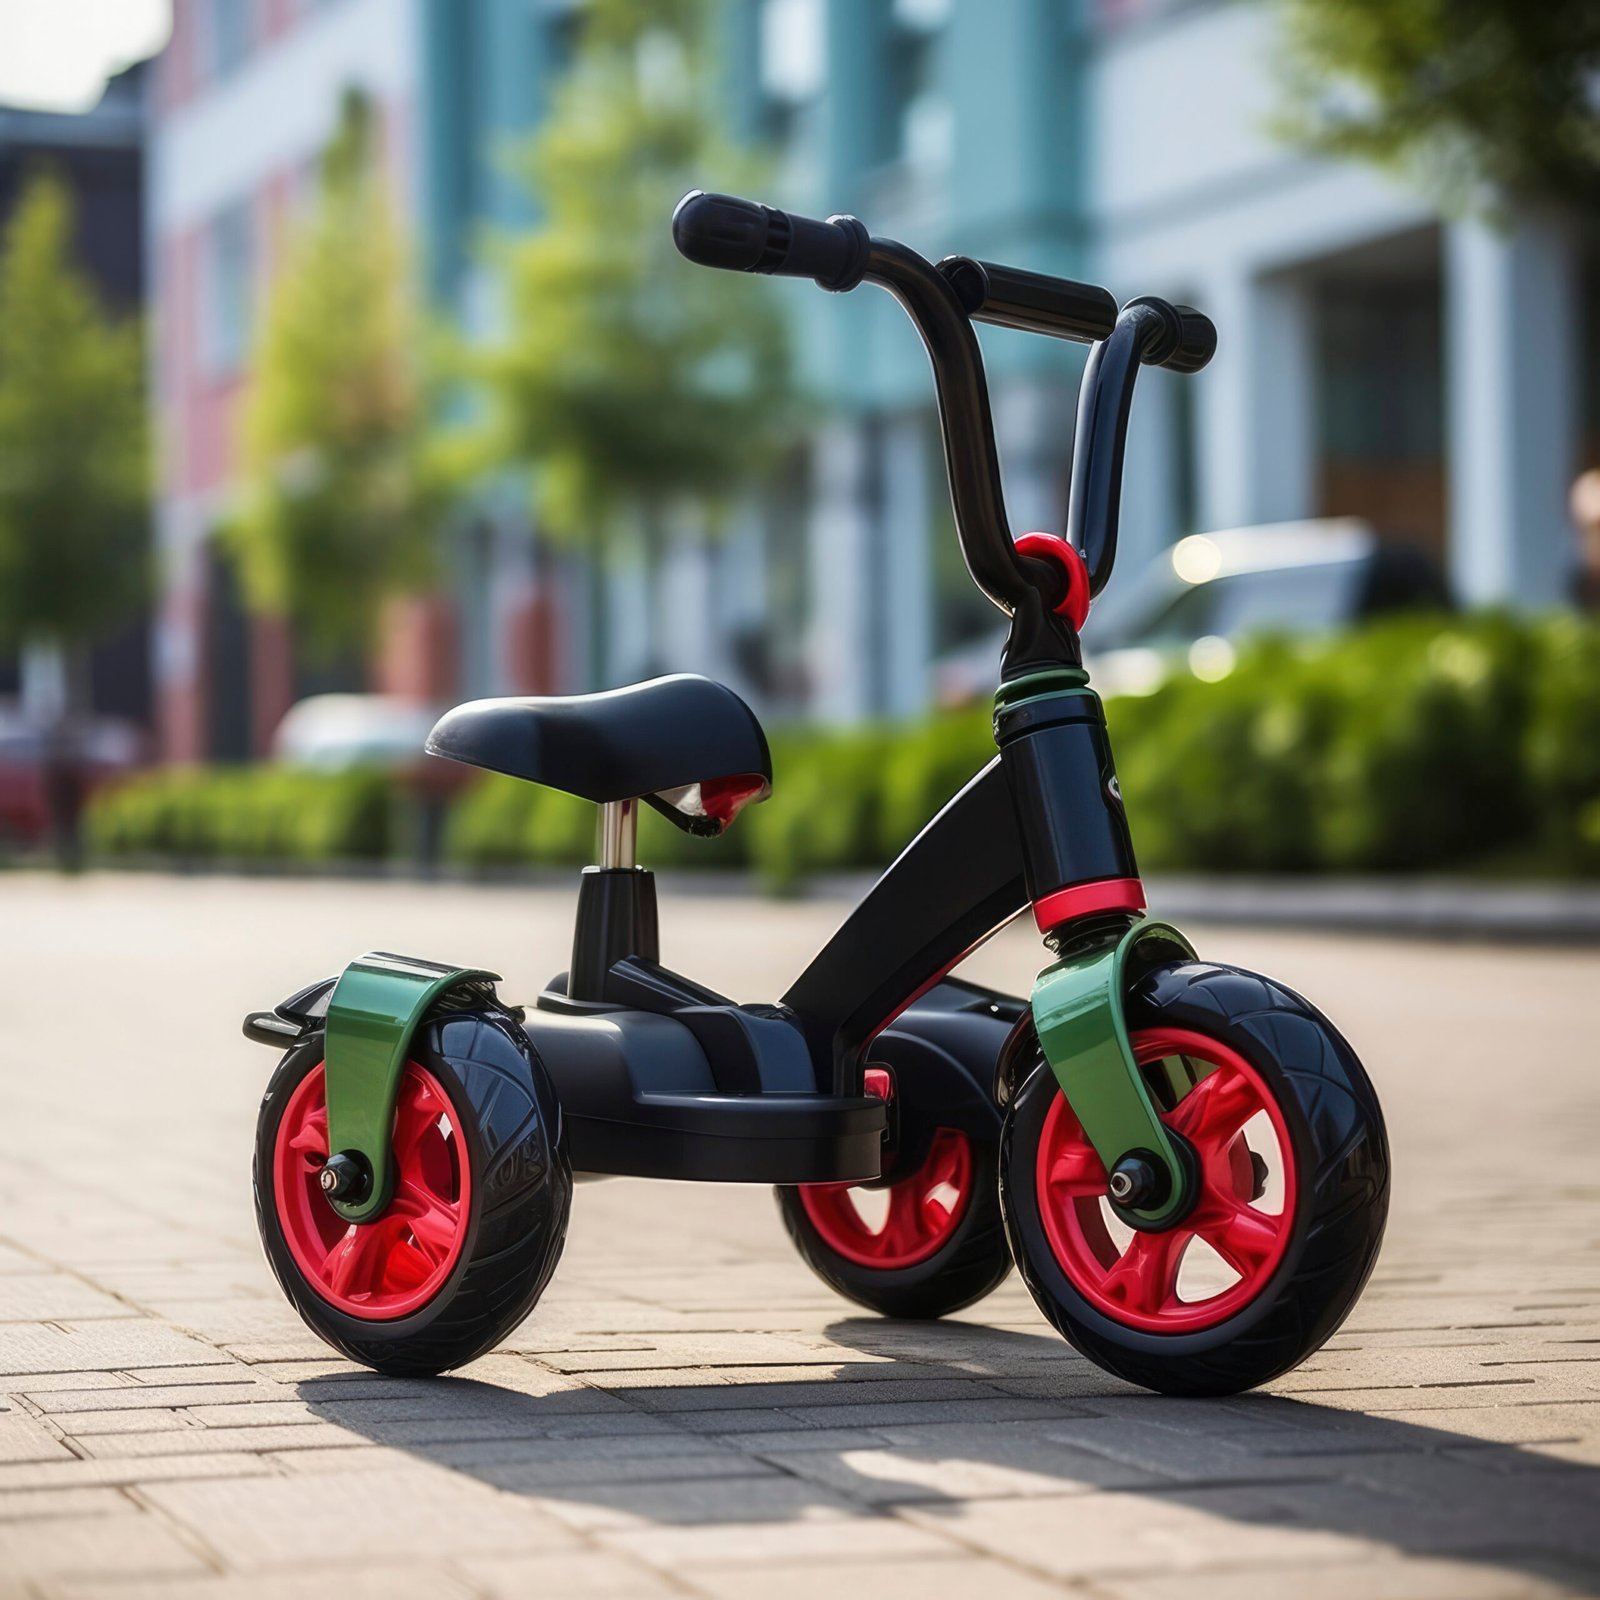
x=1186, y=1161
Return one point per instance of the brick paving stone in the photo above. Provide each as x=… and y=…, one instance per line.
x=77, y=1473
x=156, y=1396
x=386, y=1514
x=903, y=1579
x=689, y=1411
x=145, y=1419
x=32, y=1505
x=84, y=1347
x=42, y=1297
x=1422, y=1579
x=85, y=1547
x=684, y=1550
x=593, y=1574
x=23, y=1439
x=364, y=1582
x=189, y=1440
x=1104, y=1534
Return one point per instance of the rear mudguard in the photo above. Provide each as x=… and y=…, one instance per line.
x=369, y=1013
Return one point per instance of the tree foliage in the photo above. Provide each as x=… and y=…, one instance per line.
x=1479, y=98
x=74, y=531
x=626, y=377
x=343, y=496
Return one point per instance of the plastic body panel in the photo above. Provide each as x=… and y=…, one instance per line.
x=640, y=1096
x=642, y=1093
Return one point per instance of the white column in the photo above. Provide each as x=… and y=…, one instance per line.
x=840, y=548
x=1283, y=355
x=906, y=601
x=1148, y=523
x=1033, y=429
x=1512, y=351
x=689, y=639
x=1256, y=404
x=1224, y=448
x=627, y=599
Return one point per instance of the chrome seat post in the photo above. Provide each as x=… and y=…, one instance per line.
x=619, y=826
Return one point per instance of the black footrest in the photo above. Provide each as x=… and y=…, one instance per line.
x=723, y=1138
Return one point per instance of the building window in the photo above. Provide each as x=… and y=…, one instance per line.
x=225, y=35
x=229, y=290
x=563, y=27
x=922, y=127
x=793, y=63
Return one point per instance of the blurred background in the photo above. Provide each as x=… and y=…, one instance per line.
x=347, y=371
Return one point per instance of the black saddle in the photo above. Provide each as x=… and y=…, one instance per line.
x=688, y=746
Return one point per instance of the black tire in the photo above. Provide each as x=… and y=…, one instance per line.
x=510, y=1121
x=1341, y=1160
x=933, y=1090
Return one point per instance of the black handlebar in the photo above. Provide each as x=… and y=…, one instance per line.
x=718, y=230
x=1008, y=297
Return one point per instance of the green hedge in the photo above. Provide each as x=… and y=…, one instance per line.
x=1416, y=745
x=246, y=814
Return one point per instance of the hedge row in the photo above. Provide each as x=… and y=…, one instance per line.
x=1412, y=746
x=265, y=813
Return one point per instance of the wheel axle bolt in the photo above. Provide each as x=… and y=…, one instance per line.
x=344, y=1176
x=1136, y=1181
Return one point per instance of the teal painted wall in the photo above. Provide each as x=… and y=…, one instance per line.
x=1009, y=71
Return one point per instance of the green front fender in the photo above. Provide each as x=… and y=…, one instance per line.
x=372, y=1013
x=1078, y=1013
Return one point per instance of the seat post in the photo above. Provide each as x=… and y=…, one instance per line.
x=616, y=905
x=619, y=830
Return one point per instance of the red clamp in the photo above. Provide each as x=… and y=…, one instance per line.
x=1074, y=604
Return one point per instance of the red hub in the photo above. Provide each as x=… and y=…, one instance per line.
x=395, y=1264
x=919, y=1211
x=1220, y=1257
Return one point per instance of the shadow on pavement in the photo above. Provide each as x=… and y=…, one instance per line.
x=937, y=1416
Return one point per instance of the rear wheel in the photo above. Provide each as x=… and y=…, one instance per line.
x=1292, y=1172
x=927, y=1237
x=481, y=1195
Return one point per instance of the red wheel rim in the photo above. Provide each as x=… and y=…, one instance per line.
x=920, y=1211
x=395, y=1264
x=1160, y=1282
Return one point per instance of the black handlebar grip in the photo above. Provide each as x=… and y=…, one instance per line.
x=719, y=230
x=1008, y=297
x=1191, y=336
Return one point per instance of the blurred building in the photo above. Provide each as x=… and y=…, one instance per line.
x=1438, y=378
x=99, y=155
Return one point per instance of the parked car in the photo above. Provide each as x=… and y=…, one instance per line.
x=96, y=751
x=332, y=732
x=1194, y=603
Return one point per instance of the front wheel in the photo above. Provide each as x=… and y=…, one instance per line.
x=482, y=1190
x=1293, y=1188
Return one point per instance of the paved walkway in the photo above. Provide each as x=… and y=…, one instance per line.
x=689, y=1412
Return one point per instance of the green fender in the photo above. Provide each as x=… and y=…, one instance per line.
x=372, y=1013
x=1083, y=1032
